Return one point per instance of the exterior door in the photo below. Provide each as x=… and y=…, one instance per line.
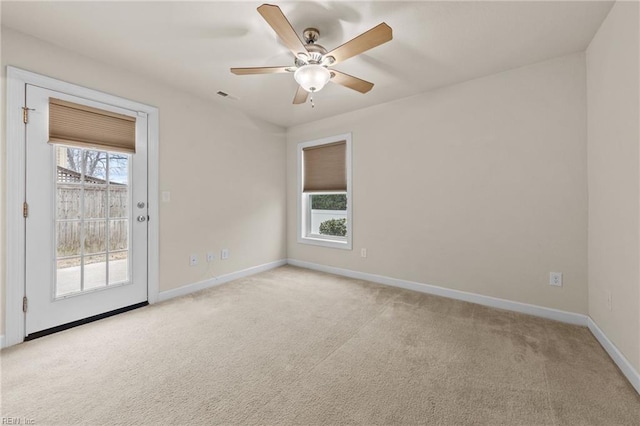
x=86, y=228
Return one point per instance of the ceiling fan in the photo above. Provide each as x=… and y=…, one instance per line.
x=312, y=61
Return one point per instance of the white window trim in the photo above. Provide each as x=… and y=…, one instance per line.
x=17, y=79
x=302, y=200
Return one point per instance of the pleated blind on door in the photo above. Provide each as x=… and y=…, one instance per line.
x=325, y=168
x=87, y=127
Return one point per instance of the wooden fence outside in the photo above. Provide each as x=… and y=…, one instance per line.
x=102, y=213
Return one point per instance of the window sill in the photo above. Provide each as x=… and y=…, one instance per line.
x=344, y=244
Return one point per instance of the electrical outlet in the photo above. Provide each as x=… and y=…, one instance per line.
x=210, y=257
x=193, y=260
x=363, y=252
x=166, y=196
x=224, y=254
x=608, y=300
x=555, y=279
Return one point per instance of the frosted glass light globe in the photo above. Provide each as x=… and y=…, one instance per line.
x=312, y=77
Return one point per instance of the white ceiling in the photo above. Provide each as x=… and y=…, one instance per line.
x=192, y=45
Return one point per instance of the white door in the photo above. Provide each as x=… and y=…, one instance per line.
x=86, y=232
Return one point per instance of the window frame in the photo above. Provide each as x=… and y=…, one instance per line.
x=304, y=204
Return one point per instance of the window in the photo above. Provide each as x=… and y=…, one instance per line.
x=324, y=192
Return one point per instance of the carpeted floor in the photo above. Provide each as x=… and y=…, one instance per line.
x=292, y=346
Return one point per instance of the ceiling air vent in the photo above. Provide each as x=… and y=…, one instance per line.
x=226, y=95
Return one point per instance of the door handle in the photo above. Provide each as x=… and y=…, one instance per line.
x=142, y=218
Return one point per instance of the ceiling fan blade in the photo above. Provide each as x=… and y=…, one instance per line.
x=365, y=41
x=351, y=82
x=276, y=19
x=260, y=70
x=301, y=96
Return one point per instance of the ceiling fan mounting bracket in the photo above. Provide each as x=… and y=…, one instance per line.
x=310, y=35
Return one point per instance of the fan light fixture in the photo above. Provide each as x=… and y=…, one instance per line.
x=312, y=77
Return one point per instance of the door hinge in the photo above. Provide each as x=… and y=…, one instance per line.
x=25, y=114
x=25, y=209
x=25, y=304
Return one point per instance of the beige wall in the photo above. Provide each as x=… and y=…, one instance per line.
x=478, y=187
x=614, y=174
x=225, y=171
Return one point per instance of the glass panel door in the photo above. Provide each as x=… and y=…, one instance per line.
x=84, y=254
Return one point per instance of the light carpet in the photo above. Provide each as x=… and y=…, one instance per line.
x=293, y=346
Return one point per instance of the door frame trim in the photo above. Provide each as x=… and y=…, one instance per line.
x=15, y=285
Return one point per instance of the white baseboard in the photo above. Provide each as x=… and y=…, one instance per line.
x=494, y=302
x=215, y=281
x=621, y=361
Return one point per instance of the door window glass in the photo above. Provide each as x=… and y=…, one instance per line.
x=92, y=219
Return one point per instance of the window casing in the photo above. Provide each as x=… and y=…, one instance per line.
x=324, y=214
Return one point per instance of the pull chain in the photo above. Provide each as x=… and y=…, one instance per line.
x=313, y=90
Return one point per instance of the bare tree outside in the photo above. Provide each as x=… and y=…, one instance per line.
x=96, y=164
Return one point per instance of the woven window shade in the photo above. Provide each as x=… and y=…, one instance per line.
x=325, y=168
x=87, y=127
